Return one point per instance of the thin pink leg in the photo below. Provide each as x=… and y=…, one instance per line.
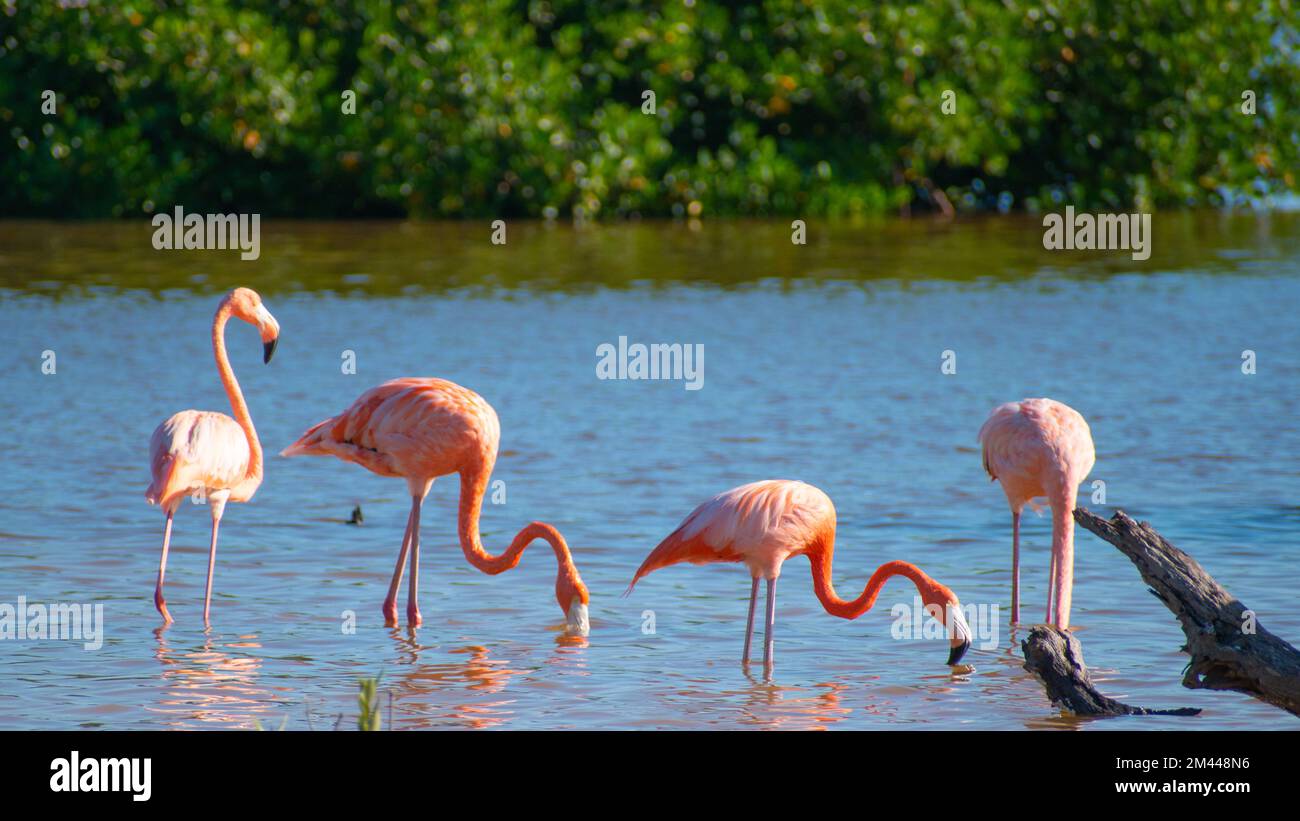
x=390, y=603
x=771, y=620
x=212, y=561
x=413, y=595
x=749, y=623
x=1015, y=567
x=1051, y=586
x=158, y=600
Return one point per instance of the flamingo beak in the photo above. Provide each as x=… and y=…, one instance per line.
x=958, y=650
x=270, y=330
x=961, y=634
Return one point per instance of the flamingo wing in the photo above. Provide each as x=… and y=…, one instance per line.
x=1034, y=445
x=761, y=522
x=1008, y=441
x=195, y=450
x=1071, y=441
x=406, y=427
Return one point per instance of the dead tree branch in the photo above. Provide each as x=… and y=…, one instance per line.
x=1229, y=649
x=1056, y=658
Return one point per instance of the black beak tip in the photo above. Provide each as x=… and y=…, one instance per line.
x=268, y=349
x=957, y=652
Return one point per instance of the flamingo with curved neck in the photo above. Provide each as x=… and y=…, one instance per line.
x=420, y=429
x=208, y=452
x=764, y=523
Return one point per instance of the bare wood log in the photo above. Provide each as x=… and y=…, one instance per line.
x=1230, y=650
x=1056, y=658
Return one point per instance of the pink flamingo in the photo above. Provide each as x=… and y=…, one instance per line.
x=208, y=451
x=764, y=523
x=418, y=430
x=1040, y=448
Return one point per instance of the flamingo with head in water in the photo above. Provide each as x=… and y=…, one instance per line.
x=1040, y=448
x=764, y=523
x=418, y=430
x=209, y=452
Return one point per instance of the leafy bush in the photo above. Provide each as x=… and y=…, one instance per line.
x=499, y=108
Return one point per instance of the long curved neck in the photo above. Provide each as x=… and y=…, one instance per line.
x=821, y=558
x=238, y=406
x=473, y=486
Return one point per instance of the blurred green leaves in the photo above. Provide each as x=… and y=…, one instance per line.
x=533, y=108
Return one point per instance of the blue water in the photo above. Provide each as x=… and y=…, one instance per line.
x=822, y=364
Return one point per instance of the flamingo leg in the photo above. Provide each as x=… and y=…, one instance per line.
x=158, y=600
x=390, y=603
x=413, y=594
x=1051, y=586
x=771, y=619
x=1015, y=567
x=749, y=623
x=212, y=561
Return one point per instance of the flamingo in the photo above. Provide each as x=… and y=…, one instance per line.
x=209, y=451
x=420, y=429
x=764, y=523
x=1040, y=448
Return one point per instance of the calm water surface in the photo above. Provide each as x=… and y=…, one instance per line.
x=822, y=364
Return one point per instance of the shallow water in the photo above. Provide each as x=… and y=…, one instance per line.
x=822, y=364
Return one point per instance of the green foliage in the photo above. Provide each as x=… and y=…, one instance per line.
x=534, y=107
x=368, y=703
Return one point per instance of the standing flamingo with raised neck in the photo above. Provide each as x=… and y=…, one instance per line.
x=209, y=452
x=418, y=430
x=1040, y=448
x=764, y=523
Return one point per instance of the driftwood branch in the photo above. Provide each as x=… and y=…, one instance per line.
x=1229, y=649
x=1056, y=658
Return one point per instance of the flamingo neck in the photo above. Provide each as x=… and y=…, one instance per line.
x=238, y=407
x=1063, y=554
x=821, y=559
x=569, y=588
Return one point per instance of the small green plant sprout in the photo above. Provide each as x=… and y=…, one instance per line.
x=368, y=719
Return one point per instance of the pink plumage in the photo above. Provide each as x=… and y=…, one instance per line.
x=197, y=451
x=412, y=428
x=760, y=524
x=1040, y=449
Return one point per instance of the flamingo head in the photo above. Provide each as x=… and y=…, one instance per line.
x=571, y=593
x=246, y=304
x=943, y=604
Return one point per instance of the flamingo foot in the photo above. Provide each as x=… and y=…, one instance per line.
x=159, y=603
x=390, y=612
x=413, y=616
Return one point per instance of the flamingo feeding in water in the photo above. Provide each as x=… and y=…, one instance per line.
x=1040, y=448
x=420, y=429
x=208, y=451
x=764, y=523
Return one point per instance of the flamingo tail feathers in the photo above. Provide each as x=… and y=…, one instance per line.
x=309, y=443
